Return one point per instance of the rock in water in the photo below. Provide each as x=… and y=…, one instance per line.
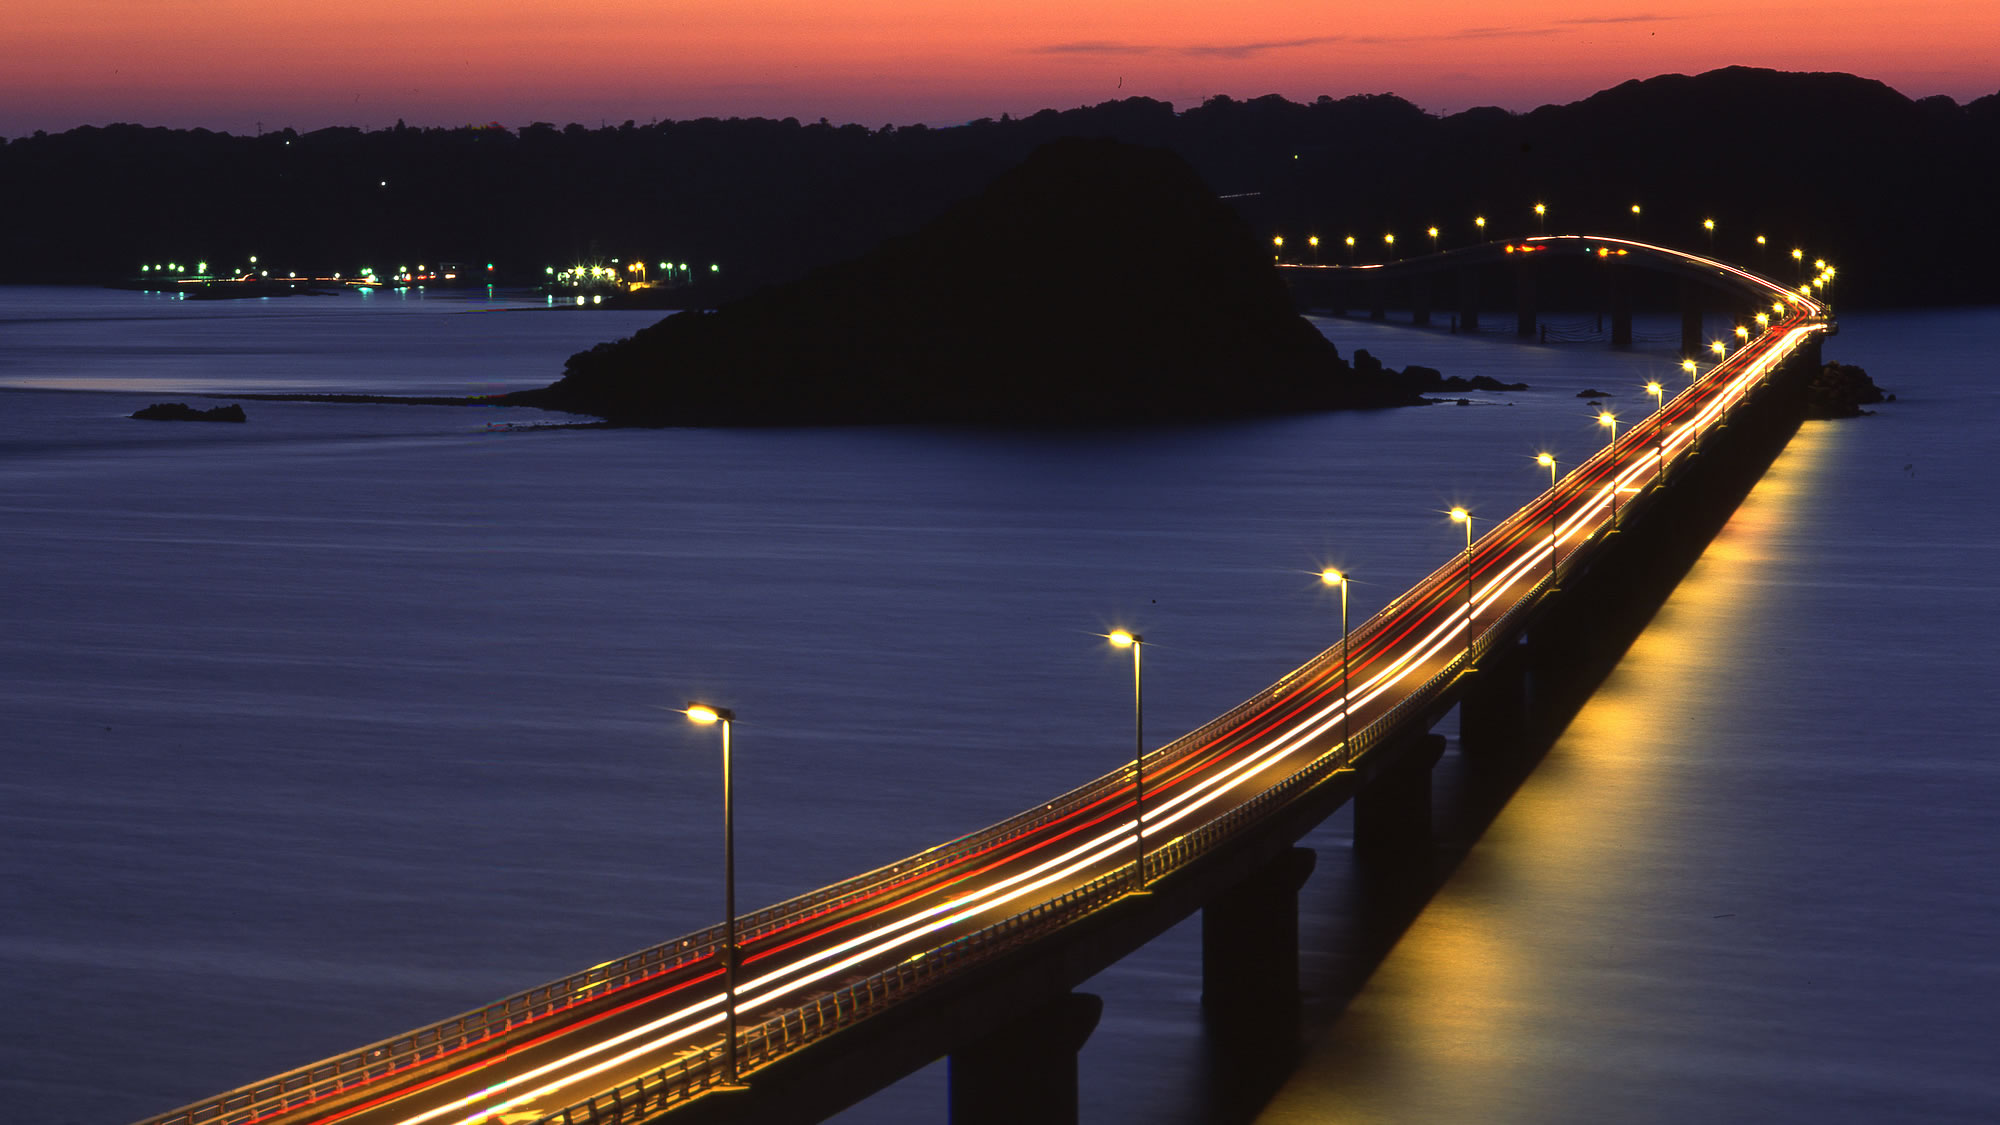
x=1840, y=390
x=1097, y=282
x=182, y=412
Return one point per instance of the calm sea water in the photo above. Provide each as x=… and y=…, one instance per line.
x=351, y=717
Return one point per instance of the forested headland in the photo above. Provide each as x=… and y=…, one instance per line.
x=1897, y=191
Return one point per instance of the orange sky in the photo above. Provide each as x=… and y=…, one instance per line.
x=228, y=64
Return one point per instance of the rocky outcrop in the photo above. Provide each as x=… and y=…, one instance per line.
x=1840, y=390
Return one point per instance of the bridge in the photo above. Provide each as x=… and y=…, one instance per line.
x=974, y=949
x=1418, y=283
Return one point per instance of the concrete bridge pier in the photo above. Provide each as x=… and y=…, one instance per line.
x=1524, y=300
x=1025, y=1070
x=1691, y=341
x=1468, y=300
x=1250, y=958
x=1493, y=713
x=1420, y=300
x=1377, y=308
x=1392, y=813
x=1621, y=309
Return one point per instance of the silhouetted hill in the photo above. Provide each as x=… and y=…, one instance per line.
x=1896, y=191
x=1096, y=282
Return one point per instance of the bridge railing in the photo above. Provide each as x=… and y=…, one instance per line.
x=332, y=1077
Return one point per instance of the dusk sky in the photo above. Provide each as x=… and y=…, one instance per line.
x=231, y=64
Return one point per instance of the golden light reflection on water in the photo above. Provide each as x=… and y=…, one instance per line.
x=1524, y=970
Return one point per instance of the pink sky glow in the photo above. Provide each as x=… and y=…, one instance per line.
x=231, y=64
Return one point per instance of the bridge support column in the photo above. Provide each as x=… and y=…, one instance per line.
x=1025, y=1070
x=1621, y=308
x=1524, y=301
x=1493, y=712
x=1691, y=341
x=1377, y=310
x=1420, y=301
x=1468, y=300
x=1392, y=813
x=1250, y=958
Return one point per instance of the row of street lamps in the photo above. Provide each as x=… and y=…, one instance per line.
x=1541, y=228
x=709, y=714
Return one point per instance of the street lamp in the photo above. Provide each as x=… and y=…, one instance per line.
x=1742, y=333
x=1122, y=639
x=1709, y=226
x=1313, y=241
x=1460, y=515
x=1389, y=240
x=1332, y=577
x=1480, y=222
x=1278, y=244
x=1687, y=365
x=1653, y=388
x=705, y=714
x=1548, y=460
x=1610, y=421
x=1542, y=217
x=1635, y=219
x=1350, y=250
x=1719, y=348
x=1433, y=232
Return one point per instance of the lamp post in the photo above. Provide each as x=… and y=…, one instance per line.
x=1542, y=218
x=1350, y=250
x=1480, y=222
x=1389, y=240
x=1610, y=421
x=1548, y=460
x=704, y=714
x=1635, y=221
x=1278, y=247
x=1460, y=515
x=1313, y=242
x=1708, y=225
x=1332, y=577
x=1659, y=431
x=1136, y=643
x=1433, y=232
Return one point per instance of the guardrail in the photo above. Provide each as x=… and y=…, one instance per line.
x=332, y=1077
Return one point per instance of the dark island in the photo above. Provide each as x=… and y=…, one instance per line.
x=1096, y=282
x=182, y=412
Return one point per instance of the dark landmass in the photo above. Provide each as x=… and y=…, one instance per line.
x=1098, y=282
x=1840, y=390
x=1593, y=394
x=365, y=399
x=182, y=412
x=1897, y=192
